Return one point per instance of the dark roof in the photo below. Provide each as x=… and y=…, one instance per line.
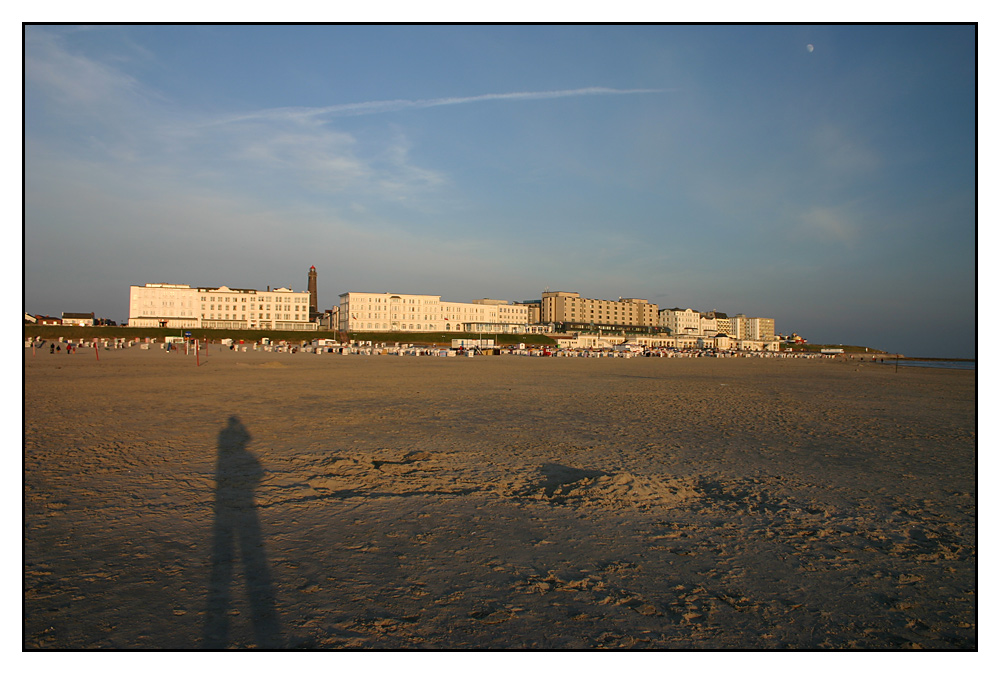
x=69, y=315
x=238, y=290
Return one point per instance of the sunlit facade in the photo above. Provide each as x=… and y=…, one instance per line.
x=573, y=312
x=170, y=305
x=398, y=312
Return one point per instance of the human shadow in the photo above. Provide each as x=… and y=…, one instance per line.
x=236, y=531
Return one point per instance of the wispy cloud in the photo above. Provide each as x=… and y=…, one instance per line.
x=79, y=83
x=380, y=107
x=100, y=114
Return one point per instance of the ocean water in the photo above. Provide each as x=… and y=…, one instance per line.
x=945, y=364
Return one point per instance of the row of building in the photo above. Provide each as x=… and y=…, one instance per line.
x=67, y=318
x=557, y=311
x=183, y=306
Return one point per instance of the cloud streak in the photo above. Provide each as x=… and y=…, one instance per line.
x=382, y=107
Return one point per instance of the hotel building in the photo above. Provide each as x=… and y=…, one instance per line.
x=170, y=305
x=572, y=312
x=681, y=321
x=397, y=312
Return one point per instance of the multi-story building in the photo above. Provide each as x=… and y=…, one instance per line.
x=534, y=308
x=167, y=305
x=723, y=323
x=751, y=328
x=502, y=316
x=681, y=322
x=171, y=305
x=742, y=326
x=762, y=329
x=392, y=312
x=329, y=319
x=277, y=309
x=572, y=312
x=709, y=323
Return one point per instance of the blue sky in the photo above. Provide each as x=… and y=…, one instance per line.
x=711, y=167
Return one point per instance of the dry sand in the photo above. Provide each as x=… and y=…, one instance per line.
x=306, y=501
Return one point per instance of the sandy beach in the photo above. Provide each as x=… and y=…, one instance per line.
x=276, y=500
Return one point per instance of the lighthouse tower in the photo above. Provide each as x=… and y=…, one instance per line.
x=313, y=298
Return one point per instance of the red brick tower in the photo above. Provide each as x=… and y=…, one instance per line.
x=313, y=296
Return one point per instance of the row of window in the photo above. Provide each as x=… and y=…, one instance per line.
x=402, y=326
x=396, y=300
x=261, y=307
x=287, y=317
x=257, y=298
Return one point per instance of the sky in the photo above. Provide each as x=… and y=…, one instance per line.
x=823, y=176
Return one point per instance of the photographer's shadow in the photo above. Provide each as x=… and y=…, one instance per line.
x=237, y=529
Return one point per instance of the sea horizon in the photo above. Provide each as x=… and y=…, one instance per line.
x=945, y=363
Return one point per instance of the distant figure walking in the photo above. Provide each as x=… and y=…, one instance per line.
x=237, y=474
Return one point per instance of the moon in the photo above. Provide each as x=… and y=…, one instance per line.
x=809, y=48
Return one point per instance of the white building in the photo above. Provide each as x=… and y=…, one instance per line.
x=78, y=319
x=709, y=324
x=590, y=341
x=392, y=312
x=687, y=323
x=721, y=341
x=171, y=305
x=681, y=322
x=751, y=328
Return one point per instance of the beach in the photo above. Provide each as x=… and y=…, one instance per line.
x=321, y=501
